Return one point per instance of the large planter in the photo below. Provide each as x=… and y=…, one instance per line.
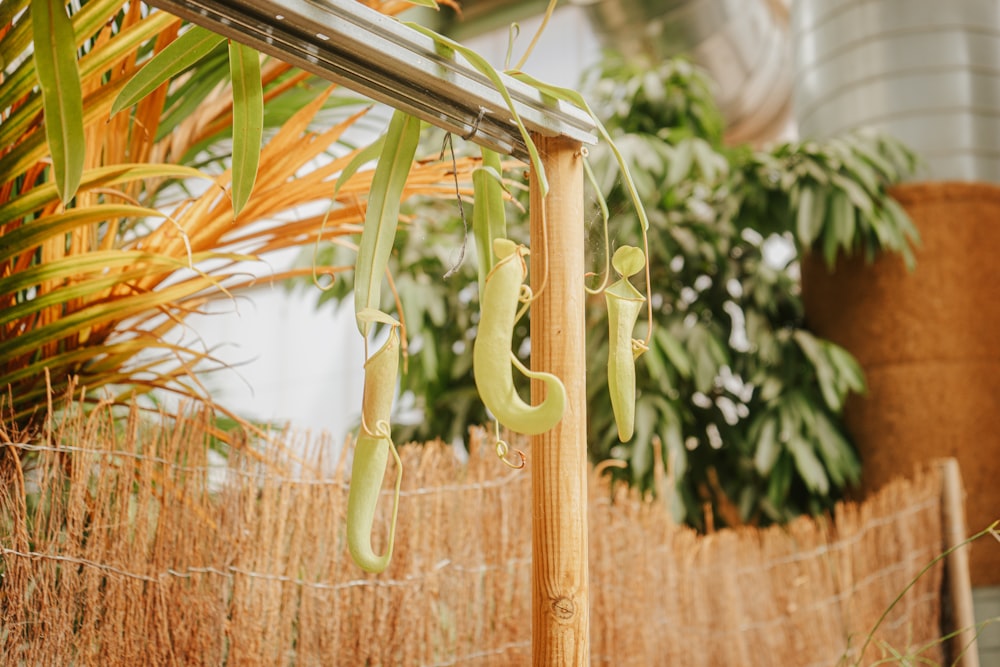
x=929, y=342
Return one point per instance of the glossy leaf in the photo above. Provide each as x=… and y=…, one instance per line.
x=767, y=447
x=809, y=219
x=248, y=121
x=489, y=217
x=680, y=164
x=361, y=158
x=28, y=236
x=45, y=194
x=486, y=69
x=179, y=55
x=575, y=98
x=808, y=465
x=62, y=95
x=382, y=215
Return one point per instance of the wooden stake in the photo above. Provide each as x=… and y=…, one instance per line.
x=958, y=582
x=559, y=581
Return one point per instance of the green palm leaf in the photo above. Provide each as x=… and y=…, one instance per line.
x=62, y=96
x=182, y=53
x=248, y=121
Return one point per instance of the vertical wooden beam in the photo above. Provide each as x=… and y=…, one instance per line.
x=560, y=585
x=958, y=580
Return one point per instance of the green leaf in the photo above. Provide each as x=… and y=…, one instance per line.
x=844, y=219
x=859, y=173
x=771, y=388
x=814, y=351
x=361, y=158
x=19, y=85
x=182, y=53
x=490, y=72
x=429, y=358
x=248, y=121
x=675, y=352
x=489, y=217
x=806, y=224
x=840, y=461
x=28, y=236
x=808, y=465
x=863, y=146
x=573, y=97
x=187, y=94
x=673, y=438
x=767, y=450
x=780, y=481
x=42, y=195
x=839, y=231
x=855, y=193
x=901, y=219
x=657, y=367
x=645, y=425
x=382, y=214
x=710, y=164
x=62, y=96
x=680, y=163
x=849, y=371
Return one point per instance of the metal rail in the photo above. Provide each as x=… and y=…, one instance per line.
x=376, y=55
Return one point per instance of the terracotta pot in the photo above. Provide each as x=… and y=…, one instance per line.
x=929, y=342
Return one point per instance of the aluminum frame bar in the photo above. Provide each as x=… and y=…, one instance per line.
x=378, y=56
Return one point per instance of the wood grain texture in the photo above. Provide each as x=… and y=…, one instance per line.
x=560, y=585
x=964, y=648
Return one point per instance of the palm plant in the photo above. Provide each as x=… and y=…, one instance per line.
x=96, y=269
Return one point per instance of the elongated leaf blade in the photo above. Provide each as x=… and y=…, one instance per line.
x=576, y=99
x=51, y=226
x=62, y=95
x=680, y=164
x=82, y=278
x=19, y=85
x=40, y=196
x=382, y=215
x=489, y=220
x=248, y=121
x=100, y=314
x=487, y=70
x=179, y=55
x=807, y=223
x=362, y=157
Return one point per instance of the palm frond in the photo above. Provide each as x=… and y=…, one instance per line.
x=91, y=288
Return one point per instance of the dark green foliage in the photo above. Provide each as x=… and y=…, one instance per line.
x=743, y=401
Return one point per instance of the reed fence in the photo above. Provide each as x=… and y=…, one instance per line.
x=126, y=543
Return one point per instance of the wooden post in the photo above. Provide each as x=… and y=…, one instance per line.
x=560, y=586
x=958, y=581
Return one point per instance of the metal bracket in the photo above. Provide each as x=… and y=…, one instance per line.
x=375, y=55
